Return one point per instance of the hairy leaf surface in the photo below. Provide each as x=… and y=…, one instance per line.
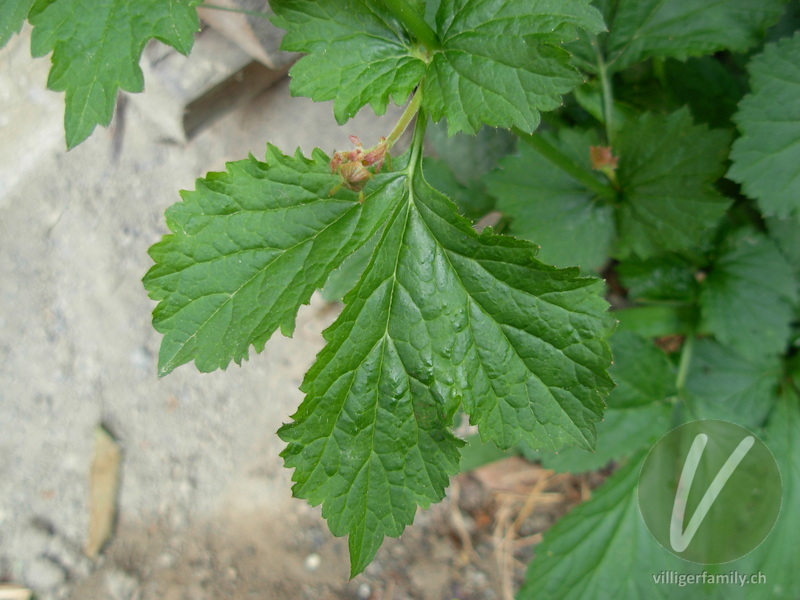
x=641, y=29
x=442, y=317
x=765, y=158
x=248, y=247
x=96, y=46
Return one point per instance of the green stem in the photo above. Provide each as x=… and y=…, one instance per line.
x=250, y=13
x=566, y=164
x=414, y=23
x=417, y=139
x=411, y=110
x=608, y=97
x=683, y=365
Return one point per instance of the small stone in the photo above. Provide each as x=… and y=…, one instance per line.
x=120, y=585
x=165, y=560
x=364, y=591
x=44, y=575
x=313, y=561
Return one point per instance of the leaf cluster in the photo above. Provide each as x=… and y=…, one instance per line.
x=655, y=143
x=694, y=224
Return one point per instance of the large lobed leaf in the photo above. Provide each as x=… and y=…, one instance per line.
x=247, y=249
x=96, y=46
x=637, y=414
x=765, y=157
x=500, y=61
x=641, y=29
x=442, y=317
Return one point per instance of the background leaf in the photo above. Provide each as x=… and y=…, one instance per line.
x=666, y=171
x=96, y=46
x=749, y=296
x=723, y=385
x=668, y=277
x=775, y=557
x=550, y=208
x=641, y=29
x=602, y=549
x=765, y=156
x=665, y=201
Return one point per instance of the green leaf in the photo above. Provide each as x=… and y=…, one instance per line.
x=666, y=277
x=765, y=157
x=346, y=276
x=501, y=61
x=623, y=432
x=499, y=64
x=641, y=29
x=637, y=414
x=786, y=235
x=550, y=208
x=96, y=46
x=666, y=200
x=12, y=15
x=441, y=317
x=711, y=89
x=776, y=558
x=656, y=320
x=470, y=157
x=357, y=53
x=666, y=171
x=642, y=372
x=748, y=297
x=471, y=199
x=602, y=549
x=247, y=249
x=721, y=384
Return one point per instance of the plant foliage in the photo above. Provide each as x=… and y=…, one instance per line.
x=647, y=104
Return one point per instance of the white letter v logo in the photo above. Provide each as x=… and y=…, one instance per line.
x=679, y=539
